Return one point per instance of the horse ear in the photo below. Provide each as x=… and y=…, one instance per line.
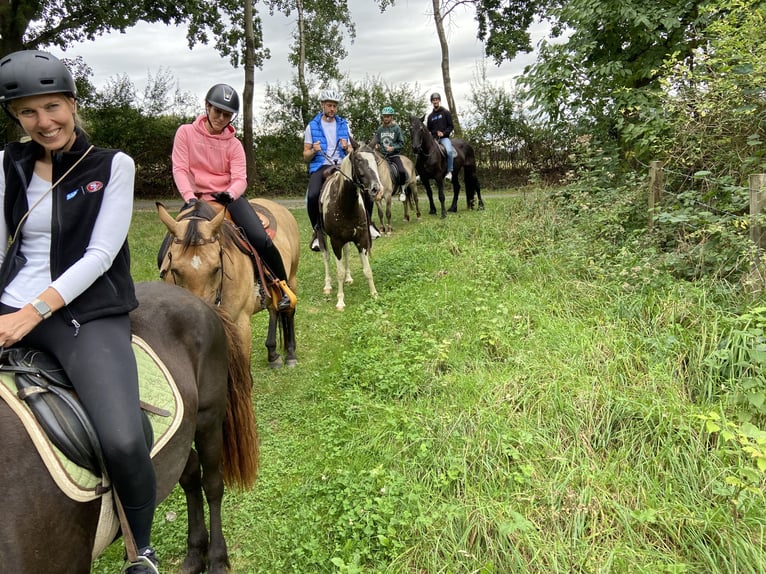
x=167, y=219
x=422, y=118
x=354, y=144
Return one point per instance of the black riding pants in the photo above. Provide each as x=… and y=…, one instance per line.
x=245, y=217
x=100, y=363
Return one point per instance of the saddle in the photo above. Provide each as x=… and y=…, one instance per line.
x=397, y=177
x=45, y=388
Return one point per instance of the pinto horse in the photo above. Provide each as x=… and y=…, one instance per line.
x=45, y=531
x=431, y=163
x=393, y=188
x=344, y=217
x=206, y=257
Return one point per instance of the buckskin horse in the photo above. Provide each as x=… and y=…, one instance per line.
x=207, y=257
x=216, y=443
x=392, y=187
x=344, y=217
x=431, y=163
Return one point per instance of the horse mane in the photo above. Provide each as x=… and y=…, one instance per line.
x=202, y=211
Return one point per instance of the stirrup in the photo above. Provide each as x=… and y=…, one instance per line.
x=288, y=299
x=146, y=563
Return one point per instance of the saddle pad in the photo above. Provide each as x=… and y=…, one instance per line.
x=156, y=388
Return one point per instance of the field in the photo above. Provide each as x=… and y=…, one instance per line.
x=518, y=399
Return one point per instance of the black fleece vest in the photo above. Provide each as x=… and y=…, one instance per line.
x=76, y=204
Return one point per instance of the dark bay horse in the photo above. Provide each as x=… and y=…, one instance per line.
x=43, y=530
x=344, y=218
x=431, y=163
x=205, y=258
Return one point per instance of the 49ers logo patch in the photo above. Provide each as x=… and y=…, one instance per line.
x=94, y=186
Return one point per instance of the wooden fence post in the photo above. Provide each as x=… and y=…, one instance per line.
x=656, y=185
x=757, y=182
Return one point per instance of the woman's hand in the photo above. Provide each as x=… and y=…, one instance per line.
x=15, y=326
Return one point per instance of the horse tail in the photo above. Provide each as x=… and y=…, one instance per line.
x=240, y=434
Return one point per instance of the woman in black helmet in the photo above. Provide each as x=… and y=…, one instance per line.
x=209, y=164
x=65, y=284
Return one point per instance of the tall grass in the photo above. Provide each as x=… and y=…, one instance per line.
x=505, y=405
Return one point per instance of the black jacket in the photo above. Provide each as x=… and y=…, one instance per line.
x=440, y=120
x=76, y=204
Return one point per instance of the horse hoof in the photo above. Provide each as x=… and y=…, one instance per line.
x=481, y=206
x=291, y=363
x=340, y=307
x=326, y=291
x=432, y=211
x=444, y=215
x=452, y=210
x=276, y=363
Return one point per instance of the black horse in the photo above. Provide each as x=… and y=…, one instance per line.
x=431, y=163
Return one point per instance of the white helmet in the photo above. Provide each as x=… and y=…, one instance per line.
x=329, y=95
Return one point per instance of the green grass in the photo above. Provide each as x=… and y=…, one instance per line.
x=505, y=405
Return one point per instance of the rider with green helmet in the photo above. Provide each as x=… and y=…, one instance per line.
x=388, y=139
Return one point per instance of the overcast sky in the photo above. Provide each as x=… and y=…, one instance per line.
x=398, y=46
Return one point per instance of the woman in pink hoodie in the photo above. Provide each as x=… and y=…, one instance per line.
x=209, y=164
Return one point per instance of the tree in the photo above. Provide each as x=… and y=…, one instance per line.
x=438, y=14
x=35, y=24
x=318, y=46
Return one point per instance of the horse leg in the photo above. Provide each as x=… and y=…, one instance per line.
x=349, y=280
x=340, y=273
x=288, y=333
x=208, y=441
x=274, y=359
x=327, y=281
x=389, y=228
x=455, y=190
x=429, y=193
x=440, y=187
x=196, y=533
x=367, y=270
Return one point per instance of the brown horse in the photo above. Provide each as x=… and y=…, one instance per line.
x=205, y=257
x=431, y=163
x=393, y=188
x=45, y=531
x=344, y=217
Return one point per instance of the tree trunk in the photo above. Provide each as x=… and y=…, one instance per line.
x=304, y=89
x=445, y=66
x=248, y=92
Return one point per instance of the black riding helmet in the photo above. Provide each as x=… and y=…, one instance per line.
x=33, y=73
x=223, y=97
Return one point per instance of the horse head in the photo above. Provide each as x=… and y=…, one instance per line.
x=195, y=257
x=418, y=134
x=363, y=167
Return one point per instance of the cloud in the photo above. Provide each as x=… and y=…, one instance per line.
x=398, y=46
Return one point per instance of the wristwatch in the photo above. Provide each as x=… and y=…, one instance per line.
x=42, y=307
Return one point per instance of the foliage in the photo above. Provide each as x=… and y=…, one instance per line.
x=35, y=24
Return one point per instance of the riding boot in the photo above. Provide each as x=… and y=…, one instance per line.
x=273, y=260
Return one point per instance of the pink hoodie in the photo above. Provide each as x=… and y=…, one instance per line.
x=204, y=163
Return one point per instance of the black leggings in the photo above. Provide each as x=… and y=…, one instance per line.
x=243, y=215
x=101, y=365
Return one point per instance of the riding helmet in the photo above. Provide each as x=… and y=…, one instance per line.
x=435, y=96
x=387, y=111
x=33, y=73
x=329, y=95
x=223, y=97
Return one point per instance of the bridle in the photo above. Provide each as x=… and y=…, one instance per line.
x=201, y=243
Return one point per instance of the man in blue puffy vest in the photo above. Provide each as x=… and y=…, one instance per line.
x=326, y=141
